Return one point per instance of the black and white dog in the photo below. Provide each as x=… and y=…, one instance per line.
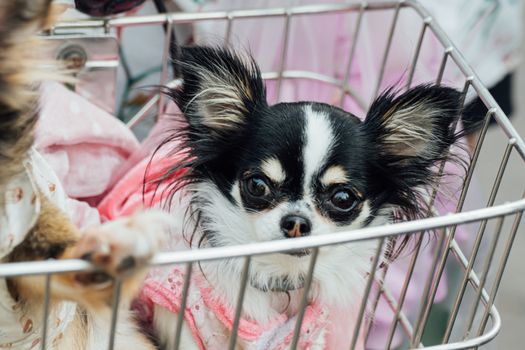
x=257, y=173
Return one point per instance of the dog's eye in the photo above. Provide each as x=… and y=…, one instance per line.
x=257, y=186
x=343, y=199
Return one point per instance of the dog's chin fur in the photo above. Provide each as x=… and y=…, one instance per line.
x=275, y=282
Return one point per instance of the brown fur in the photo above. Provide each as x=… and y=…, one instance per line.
x=53, y=236
x=19, y=20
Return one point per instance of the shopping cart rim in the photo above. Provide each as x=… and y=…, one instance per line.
x=260, y=248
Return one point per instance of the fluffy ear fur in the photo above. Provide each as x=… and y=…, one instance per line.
x=220, y=90
x=221, y=93
x=411, y=133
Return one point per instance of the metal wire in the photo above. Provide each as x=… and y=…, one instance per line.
x=368, y=288
x=353, y=46
x=447, y=247
x=45, y=312
x=417, y=51
x=238, y=309
x=304, y=299
x=183, y=301
x=117, y=287
x=387, y=50
x=477, y=243
x=499, y=274
x=284, y=51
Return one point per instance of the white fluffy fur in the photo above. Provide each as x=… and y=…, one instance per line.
x=319, y=139
x=274, y=170
x=410, y=130
x=340, y=272
x=338, y=277
x=334, y=175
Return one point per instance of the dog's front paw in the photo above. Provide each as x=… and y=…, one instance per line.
x=121, y=247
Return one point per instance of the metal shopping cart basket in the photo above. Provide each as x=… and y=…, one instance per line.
x=466, y=317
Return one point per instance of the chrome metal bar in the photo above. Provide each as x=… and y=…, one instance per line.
x=352, y=52
x=381, y=288
x=260, y=248
x=501, y=269
x=464, y=92
x=484, y=275
x=143, y=112
x=240, y=299
x=474, y=281
x=430, y=288
x=443, y=65
x=150, y=104
x=284, y=52
x=403, y=319
x=477, y=243
x=464, y=67
x=304, y=300
x=183, y=302
x=182, y=17
x=438, y=264
x=296, y=74
x=164, y=71
x=403, y=292
x=117, y=286
x=368, y=288
x=473, y=277
x=474, y=161
x=429, y=291
x=387, y=50
x=288, y=74
x=229, y=25
x=417, y=52
x=45, y=312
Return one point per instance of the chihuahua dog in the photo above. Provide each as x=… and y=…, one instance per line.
x=255, y=172
x=34, y=226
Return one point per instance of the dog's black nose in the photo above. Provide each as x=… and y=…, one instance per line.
x=295, y=226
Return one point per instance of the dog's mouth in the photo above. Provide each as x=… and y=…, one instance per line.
x=299, y=252
x=279, y=284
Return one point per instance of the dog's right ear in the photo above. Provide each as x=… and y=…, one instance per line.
x=220, y=90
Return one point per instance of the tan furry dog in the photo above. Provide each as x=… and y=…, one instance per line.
x=80, y=310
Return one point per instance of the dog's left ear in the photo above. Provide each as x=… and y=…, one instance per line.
x=220, y=90
x=417, y=126
x=409, y=135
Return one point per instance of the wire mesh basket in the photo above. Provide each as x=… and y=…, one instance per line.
x=470, y=269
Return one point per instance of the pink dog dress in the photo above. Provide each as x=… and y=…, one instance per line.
x=211, y=322
x=17, y=217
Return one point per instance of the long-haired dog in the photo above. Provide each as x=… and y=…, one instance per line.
x=256, y=172
x=79, y=305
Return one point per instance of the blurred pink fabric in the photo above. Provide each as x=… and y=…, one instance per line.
x=83, y=144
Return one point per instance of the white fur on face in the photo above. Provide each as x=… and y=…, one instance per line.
x=334, y=175
x=340, y=270
x=273, y=169
x=319, y=140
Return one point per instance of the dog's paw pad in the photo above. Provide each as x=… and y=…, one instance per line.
x=122, y=246
x=93, y=278
x=127, y=263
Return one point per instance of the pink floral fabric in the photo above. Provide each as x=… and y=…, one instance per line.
x=211, y=322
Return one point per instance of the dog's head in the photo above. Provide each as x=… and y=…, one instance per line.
x=261, y=173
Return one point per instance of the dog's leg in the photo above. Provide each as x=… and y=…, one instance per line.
x=165, y=323
x=120, y=249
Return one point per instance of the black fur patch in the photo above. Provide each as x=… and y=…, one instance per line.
x=383, y=171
